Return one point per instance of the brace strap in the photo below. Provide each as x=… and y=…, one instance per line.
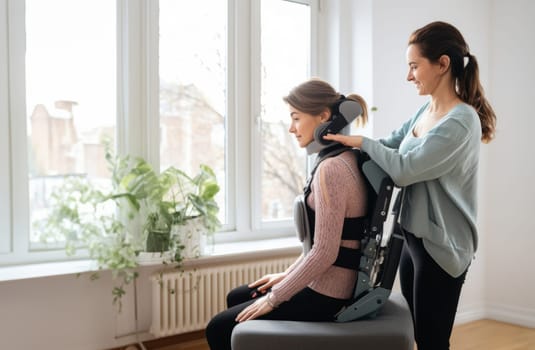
x=354, y=230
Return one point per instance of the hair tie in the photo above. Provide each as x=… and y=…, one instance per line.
x=466, y=59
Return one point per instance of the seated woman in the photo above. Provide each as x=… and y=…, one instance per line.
x=314, y=287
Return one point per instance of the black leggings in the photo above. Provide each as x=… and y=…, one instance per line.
x=307, y=305
x=432, y=295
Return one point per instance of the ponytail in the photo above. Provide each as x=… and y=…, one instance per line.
x=363, y=118
x=470, y=91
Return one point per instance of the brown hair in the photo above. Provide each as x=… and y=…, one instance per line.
x=315, y=95
x=440, y=38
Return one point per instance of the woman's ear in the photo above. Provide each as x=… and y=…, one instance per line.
x=325, y=115
x=444, y=63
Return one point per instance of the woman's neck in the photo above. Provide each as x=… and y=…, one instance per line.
x=442, y=103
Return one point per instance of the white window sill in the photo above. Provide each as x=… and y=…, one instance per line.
x=20, y=272
x=222, y=252
x=245, y=250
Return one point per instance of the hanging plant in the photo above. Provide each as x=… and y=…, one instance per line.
x=103, y=220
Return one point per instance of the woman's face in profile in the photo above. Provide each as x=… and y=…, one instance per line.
x=303, y=125
x=424, y=74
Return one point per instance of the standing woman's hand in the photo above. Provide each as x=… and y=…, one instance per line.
x=346, y=140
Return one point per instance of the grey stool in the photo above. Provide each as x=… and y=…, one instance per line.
x=391, y=329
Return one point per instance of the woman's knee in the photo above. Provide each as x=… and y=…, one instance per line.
x=238, y=295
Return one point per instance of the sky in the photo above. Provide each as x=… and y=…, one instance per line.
x=71, y=55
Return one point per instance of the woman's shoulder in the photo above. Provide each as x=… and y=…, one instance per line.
x=464, y=115
x=341, y=165
x=461, y=123
x=463, y=108
x=340, y=159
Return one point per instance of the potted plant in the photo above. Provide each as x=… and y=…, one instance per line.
x=148, y=190
x=158, y=234
x=177, y=204
x=195, y=217
x=105, y=219
x=86, y=214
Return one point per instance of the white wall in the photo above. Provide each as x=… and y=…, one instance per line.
x=65, y=312
x=71, y=312
x=509, y=224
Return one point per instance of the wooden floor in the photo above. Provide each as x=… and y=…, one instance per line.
x=478, y=335
x=492, y=335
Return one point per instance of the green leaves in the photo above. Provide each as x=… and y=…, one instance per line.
x=196, y=196
x=102, y=218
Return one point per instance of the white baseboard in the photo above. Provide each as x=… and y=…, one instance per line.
x=511, y=314
x=470, y=313
x=504, y=313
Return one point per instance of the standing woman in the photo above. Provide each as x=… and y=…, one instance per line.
x=435, y=156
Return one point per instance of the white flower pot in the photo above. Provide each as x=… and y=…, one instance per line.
x=191, y=236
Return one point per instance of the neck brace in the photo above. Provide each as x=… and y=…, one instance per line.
x=316, y=147
x=343, y=112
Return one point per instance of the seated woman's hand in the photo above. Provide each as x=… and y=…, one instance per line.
x=260, y=307
x=266, y=282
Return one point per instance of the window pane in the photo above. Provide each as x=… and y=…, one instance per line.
x=193, y=87
x=70, y=94
x=285, y=55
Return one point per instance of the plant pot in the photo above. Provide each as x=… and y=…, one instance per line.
x=191, y=235
x=158, y=241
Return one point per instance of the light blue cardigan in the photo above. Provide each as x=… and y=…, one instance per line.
x=439, y=171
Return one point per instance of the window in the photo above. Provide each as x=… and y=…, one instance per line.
x=70, y=96
x=180, y=83
x=193, y=87
x=285, y=62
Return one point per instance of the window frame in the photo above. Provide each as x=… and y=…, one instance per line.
x=275, y=228
x=249, y=223
x=20, y=227
x=5, y=161
x=138, y=118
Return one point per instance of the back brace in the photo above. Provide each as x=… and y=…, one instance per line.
x=380, y=253
x=354, y=229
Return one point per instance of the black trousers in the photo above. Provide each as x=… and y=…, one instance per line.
x=307, y=305
x=432, y=295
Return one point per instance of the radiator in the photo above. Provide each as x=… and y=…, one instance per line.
x=185, y=301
